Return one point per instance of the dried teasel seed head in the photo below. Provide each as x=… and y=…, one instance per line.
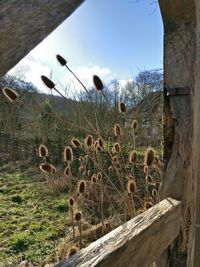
x=89, y=141
x=149, y=179
x=81, y=159
x=61, y=60
x=47, y=82
x=10, y=94
x=68, y=154
x=46, y=168
x=100, y=142
x=140, y=211
x=98, y=83
x=121, y=107
x=81, y=186
x=135, y=124
x=116, y=148
x=71, y=201
x=75, y=142
x=78, y=216
x=43, y=151
x=93, y=178
x=53, y=170
x=131, y=186
x=117, y=130
x=114, y=159
x=81, y=168
x=72, y=251
x=149, y=156
x=154, y=192
x=99, y=177
x=110, y=168
x=133, y=156
x=148, y=205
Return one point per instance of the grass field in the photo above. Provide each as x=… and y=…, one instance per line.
x=31, y=220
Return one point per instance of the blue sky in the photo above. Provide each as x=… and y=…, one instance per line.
x=110, y=38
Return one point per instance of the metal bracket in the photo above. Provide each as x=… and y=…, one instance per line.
x=179, y=91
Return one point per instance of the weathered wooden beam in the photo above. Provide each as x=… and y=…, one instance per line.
x=176, y=12
x=136, y=243
x=181, y=51
x=25, y=23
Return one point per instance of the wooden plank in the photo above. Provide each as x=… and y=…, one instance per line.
x=24, y=24
x=136, y=243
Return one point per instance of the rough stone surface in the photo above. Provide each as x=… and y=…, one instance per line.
x=25, y=23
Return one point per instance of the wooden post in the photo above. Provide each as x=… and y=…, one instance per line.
x=181, y=122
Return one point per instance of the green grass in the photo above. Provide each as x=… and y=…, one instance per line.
x=31, y=220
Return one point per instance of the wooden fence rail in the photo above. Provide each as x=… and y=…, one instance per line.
x=137, y=243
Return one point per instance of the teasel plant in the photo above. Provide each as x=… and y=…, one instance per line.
x=71, y=205
x=78, y=217
x=148, y=162
x=63, y=62
x=68, y=157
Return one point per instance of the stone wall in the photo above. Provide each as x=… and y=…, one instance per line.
x=25, y=23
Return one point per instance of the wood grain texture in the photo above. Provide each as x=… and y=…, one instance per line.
x=181, y=116
x=134, y=244
x=25, y=23
x=176, y=13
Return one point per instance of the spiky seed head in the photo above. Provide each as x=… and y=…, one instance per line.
x=148, y=205
x=71, y=201
x=43, y=151
x=131, y=186
x=140, y=211
x=122, y=107
x=47, y=82
x=114, y=159
x=72, y=251
x=116, y=148
x=81, y=159
x=10, y=94
x=61, y=60
x=133, y=156
x=113, y=150
x=46, y=168
x=149, y=179
x=78, y=216
x=53, y=170
x=66, y=171
x=145, y=169
x=100, y=142
x=110, y=168
x=99, y=177
x=81, y=186
x=81, y=168
x=154, y=192
x=149, y=156
x=68, y=154
x=117, y=130
x=75, y=142
x=93, y=178
x=98, y=83
x=89, y=141
x=135, y=124
x=156, y=160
